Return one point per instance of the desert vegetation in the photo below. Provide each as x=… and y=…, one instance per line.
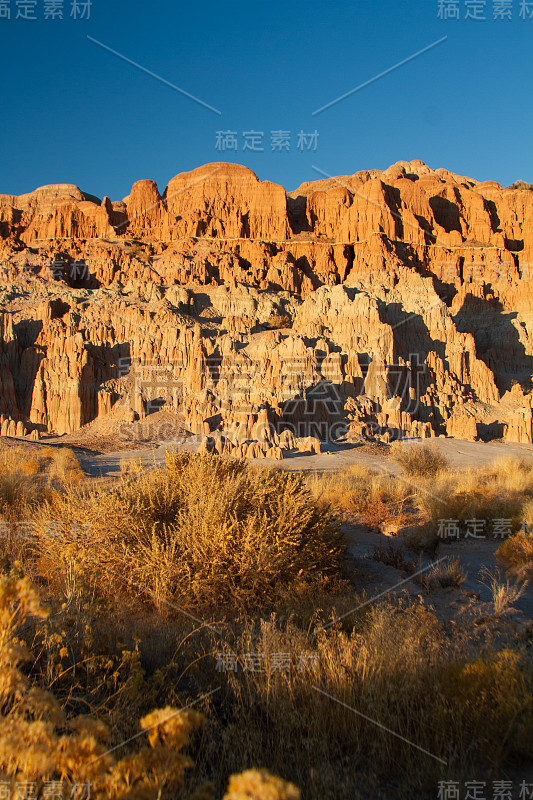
x=202, y=531
x=521, y=185
x=279, y=322
x=197, y=630
x=422, y=461
x=502, y=491
x=517, y=554
x=374, y=496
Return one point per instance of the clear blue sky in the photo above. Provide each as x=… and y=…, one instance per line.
x=74, y=113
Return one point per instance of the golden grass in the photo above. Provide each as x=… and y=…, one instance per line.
x=493, y=699
x=201, y=531
x=394, y=664
x=504, y=592
x=376, y=497
x=500, y=491
x=214, y=534
x=39, y=743
x=503, y=490
x=27, y=477
x=57, y=463
x=395, y=667
x=516, y=554
x=419, y=460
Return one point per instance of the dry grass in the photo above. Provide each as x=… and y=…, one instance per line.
x=516, y=553
x=205, y=532
x=395, y=665
x=493, y=700
x=419, y=460
x=500, y=491
x=202, y=531
x=395, y=668
x=504, y=593
x=376, y=497
x=393, y=556
x=56, y=463
x=27, y=477
x=447, y=574
x=39, y=743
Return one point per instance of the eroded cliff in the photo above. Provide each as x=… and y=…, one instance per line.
x=379, y=304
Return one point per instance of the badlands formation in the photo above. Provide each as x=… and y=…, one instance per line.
x=379, y=305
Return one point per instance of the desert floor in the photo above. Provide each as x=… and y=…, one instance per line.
x=377, y=577
x=461, y=455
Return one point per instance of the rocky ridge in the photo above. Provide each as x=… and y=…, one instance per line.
x=378, y=305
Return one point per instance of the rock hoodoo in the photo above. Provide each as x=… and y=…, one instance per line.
x=381, y=304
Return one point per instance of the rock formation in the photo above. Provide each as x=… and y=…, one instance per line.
x=378, y=305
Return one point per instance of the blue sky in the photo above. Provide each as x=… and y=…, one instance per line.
x=72, y=112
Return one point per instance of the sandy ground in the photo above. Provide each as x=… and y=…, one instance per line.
x=474, y=556
x=461, y=455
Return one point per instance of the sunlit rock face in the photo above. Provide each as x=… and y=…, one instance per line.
x=381, y=304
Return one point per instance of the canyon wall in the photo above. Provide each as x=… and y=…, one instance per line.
x=382, y=304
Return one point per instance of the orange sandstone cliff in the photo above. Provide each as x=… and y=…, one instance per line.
x=381, y=304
